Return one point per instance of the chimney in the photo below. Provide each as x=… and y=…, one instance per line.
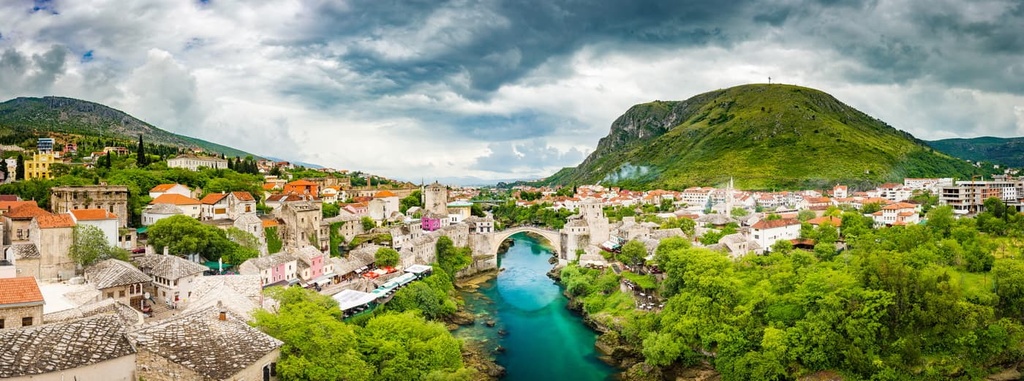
x=166, y=250
x=223, y=315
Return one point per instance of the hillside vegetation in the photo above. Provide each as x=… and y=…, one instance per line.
x=764, y=136
x=28, y=118
x=1002, y=151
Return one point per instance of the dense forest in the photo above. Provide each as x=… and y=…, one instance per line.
x=936, y=301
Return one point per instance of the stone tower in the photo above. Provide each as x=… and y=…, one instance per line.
x=435, y=198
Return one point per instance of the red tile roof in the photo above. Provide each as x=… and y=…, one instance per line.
x=20, y=290
x=162, y=187
x=9, y=205
x=27, y=211
x=52, y=221
x=268, y=223
x=269, y=186
x=899, y=205
x=174, y=199
x=766, y=224
x=213, y=198
x=93, y=214
x=243, y=196
x=383, y=194
x=831, y=220
x=301, y=183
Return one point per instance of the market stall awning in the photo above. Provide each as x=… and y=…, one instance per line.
x=349, y=299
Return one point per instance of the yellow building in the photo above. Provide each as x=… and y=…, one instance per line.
x=39, y=166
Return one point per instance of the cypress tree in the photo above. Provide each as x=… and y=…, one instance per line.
x=19, y=173
x=3, y=168
x=141, y=160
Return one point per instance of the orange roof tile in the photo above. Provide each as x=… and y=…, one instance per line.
x=162, y=187
x=301, y=183
x=20, y=290
x=383, y=194
x=269, y=223
x=269, y=186
x=243, y=196
x=53, y=221
x=899, y=205
x=93, y=214
x=213, y=198
x=9, y=205
x=27, y=211
x=766, y=224
x=831, y=220
x=175, y=199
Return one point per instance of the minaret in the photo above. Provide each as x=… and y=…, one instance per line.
x=728, y=198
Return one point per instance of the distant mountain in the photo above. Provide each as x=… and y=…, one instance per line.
x=763, y=136
x=1002, y=151
x=298, y=163
x=41, y=116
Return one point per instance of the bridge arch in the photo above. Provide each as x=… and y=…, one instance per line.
x=551, y=235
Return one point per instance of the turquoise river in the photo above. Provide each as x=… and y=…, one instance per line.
x=542, y=339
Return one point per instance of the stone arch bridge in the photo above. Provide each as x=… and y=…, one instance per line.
x=501, y=235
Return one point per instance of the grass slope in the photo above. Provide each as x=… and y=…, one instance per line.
x=1003, y=151
x=764, y=136
x=40, y=116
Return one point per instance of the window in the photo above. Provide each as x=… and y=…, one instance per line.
x=26, y=321
x=120, y=294
x=110, y=295
x=1, y=323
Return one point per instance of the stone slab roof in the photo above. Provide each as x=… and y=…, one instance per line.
x=20, y=291
x=241, y=294
x=163, y=209
x=113, y=273
x=169, y=266
x=55, y=347
x=269, y=261
x=215, y=349
x=129, y=316
x=23, y=251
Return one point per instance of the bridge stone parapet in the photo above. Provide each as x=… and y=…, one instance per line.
x=500, y=236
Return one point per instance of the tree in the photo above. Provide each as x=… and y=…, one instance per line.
x=330, y=210
x=185, y=235
x=739, y=212
x=19, y=172
x=141, y=160
x=940, y=220
x=3, y=169
x=89, y=245
x=772, y=217
x=405, y=346
x=274, y=243
x=806, y=215
x=368, y=223
x=451, y=259
x=317, y=344
x=387, y=257
x=633, y=253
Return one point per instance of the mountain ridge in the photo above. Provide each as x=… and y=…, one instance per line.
x=764, y=136
x=54, y=114
x=1002, y=151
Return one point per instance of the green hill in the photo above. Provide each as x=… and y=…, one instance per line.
x=1003, y=151
x=37, y=117
x=763, y=136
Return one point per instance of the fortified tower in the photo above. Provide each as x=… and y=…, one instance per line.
x=435, y=198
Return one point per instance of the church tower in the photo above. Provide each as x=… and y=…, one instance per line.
x=435, y=198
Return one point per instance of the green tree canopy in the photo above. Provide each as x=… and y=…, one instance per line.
x=185, y=235
x=387, y=257
x=89, y=245
x=633, y=253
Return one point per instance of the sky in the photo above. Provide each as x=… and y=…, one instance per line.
x=479, y=91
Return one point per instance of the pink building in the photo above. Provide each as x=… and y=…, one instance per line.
x=429, y=224
x=275, y=269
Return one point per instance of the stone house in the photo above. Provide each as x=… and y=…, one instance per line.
x=154, y=213
x=227, y=205
x=53, y=235
x=301, y=220
x=208, y=344
x=163, y=189
x=17, y=220
x=188, y=205
x=192, y=162
x=100, y=351
x=112, y=198
x=277, y=269
x=312, y=265
x=21, y=302
x=173, y=276
x=25, y=258
x=102, y=219
x=118, y=280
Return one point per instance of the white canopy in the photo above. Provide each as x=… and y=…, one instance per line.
x=349, y=299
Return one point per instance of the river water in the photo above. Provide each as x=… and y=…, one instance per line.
x=544, y=340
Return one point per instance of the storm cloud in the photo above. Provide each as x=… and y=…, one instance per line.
x=502, y=89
